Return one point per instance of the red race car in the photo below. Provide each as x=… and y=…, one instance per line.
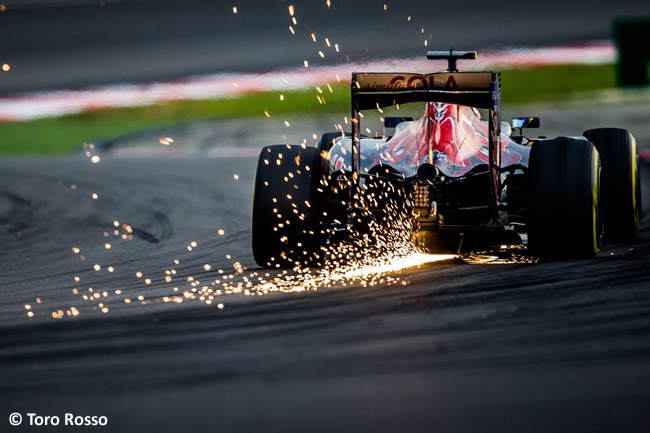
x=462, y=182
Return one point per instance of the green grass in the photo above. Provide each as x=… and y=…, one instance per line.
x=66, y=134
x=554, y=83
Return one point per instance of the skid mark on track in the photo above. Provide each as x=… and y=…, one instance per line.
x=157, y=229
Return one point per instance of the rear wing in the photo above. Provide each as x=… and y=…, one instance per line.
x=377, y=89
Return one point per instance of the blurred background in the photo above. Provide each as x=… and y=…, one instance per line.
x=129, y=47
x=78, y=43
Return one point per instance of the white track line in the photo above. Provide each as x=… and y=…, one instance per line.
x=60, y=102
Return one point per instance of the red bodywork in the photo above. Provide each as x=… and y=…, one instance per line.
x=458, y=138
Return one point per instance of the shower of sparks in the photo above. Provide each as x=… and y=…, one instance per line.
x=362, y=262
x=397, y=264
x=508, y=254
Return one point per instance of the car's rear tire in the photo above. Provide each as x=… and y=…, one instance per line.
x=621, y=186
x=285, y=219
x=564, y=217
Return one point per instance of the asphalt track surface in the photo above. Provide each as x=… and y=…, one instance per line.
x=83, y=43
x=561, y=346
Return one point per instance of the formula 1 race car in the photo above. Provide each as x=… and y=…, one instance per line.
x=463, y=183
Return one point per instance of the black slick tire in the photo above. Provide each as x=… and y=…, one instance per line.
x=621, y=186
x=564, y=217
x=285, y=218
